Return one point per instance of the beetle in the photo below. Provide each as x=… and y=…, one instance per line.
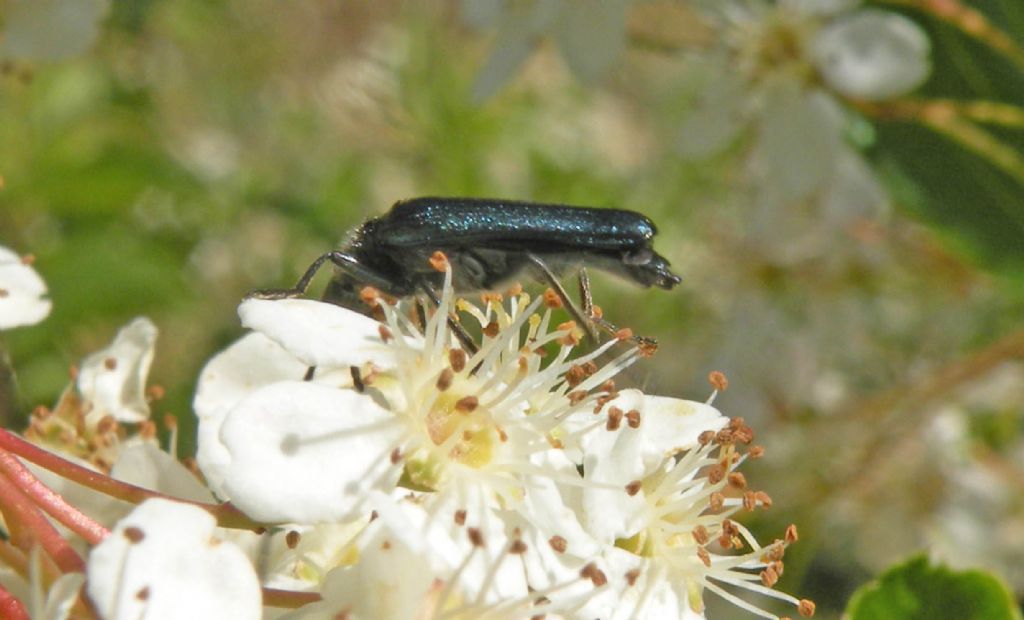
x=489, y=242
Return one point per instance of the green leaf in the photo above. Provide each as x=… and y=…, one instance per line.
x=919, y=590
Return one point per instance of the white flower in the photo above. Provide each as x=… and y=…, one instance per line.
x=431, y=416
x=162, y=561
x=873, y=55
x=22, y=292
x=590, y=35
x=112, y=381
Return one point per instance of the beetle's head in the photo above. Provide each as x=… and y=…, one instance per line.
x=648, y=268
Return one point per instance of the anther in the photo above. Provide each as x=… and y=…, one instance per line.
x=632, y=575
x=396, y=456
x=444, y=380
x=633, y=487
x=716, y=501
x=552, y=299
x=385, y=333
x=633, y=418
x=558, y=543
x=716, y=474
x=704, y=556
x=457, y=359
x=594, y=574
x=467, y=404
x=370, y=296
x=705, y=438
x=134, y=534
x=806, y=608
x=737, y=480
x=624, y=334
x=576, y=396
x=460, y=517
x=718, y=380
x=292, y=538
x=701, y=535
x=614, y=419
x=517, y=547
x=769, y=577
x=476, y=537
x=439, y=261
x=110, y=363
x=791, y=534
x=491, y=329
x=755, y=452
x=763, y=498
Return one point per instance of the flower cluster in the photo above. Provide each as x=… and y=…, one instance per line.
x=388, y=472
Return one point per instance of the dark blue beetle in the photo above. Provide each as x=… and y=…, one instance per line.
x=489, y=242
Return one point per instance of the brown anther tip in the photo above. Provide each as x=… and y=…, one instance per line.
x=73, y=372
x=647, y=348
x=370, y=296
x=791, y=535
x=457, y=359
x=170, y=421
x=716, y=501
x=292, y=538
x=4, y=293
x=596, y=313
x=607, y=386
x=737, y=480
x=705, y=438
x=445, y=379
x=155, y=392
x=704, y=556
x=110, y=363
x=460, y=517
x=718, y=380
x=142, y=594
x=467, y=404
x=594, y=574
x=763, y=499
x=632, y=575
x=490, y=297
x=575, y=375
x=624, y=334
x=396, y=456
x=385, y=333
x=701, y=535
x=517, y=547
x=614, y=421
x=716, y=474
x=28, y=259
x=749, y=501
x=633, y=488
x=769, y=577
x=633, y=418
x=134, y=534
x=755, y=452
x=576, y=396
x=147, y=429
x=439, y=261
x=476, y=537
x=491, y=329
x=515, y=290
x=558, y=543
x=806, y=608
x=552, y=299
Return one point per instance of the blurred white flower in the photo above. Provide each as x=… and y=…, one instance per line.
x=50, y=29
x=112, y=381
x=590, y=35
x=872, y=54
x=163, y=561
x=22, y=292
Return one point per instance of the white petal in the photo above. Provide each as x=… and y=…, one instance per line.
x=716, y=117
x=113, y=380
x=51, y=29
x=591, y=36
x=873, y=55
x=669, y=425
x=304, y=453
x=162, y=561
x=319, y=334
x=801, y=134
x=22, y=292
x=147, y=466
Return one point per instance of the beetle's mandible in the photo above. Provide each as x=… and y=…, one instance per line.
x=489, y=242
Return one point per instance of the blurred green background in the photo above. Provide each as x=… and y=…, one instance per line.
x=198, y=149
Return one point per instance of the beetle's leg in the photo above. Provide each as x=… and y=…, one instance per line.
x=341, y=260
x=582, y=318
x=460, y=332
x=588, y=307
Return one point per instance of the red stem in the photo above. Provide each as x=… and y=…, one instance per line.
x=10, y=607
x=226, y=514
x=18, y=509
x=45, y=497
